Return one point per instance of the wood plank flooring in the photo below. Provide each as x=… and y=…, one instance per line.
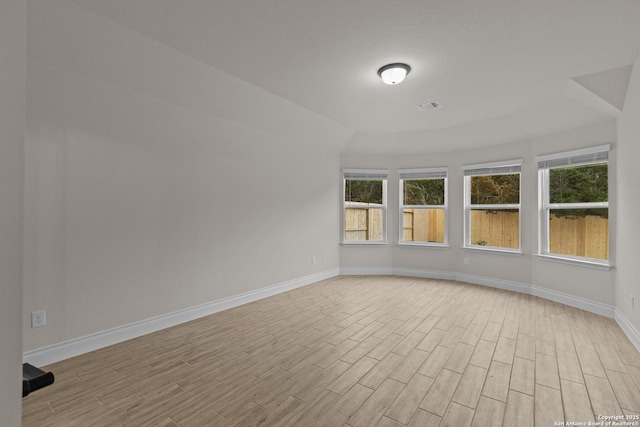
x=357, y=351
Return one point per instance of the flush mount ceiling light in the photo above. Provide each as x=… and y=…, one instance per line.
x=393, y=74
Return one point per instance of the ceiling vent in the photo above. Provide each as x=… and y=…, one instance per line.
x=433, y=105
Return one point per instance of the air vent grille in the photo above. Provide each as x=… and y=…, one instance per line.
x=433, y=105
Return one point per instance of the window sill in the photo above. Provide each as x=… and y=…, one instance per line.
x=364, y=243
x=500, y=251
x=576, y=261
x=423, y=245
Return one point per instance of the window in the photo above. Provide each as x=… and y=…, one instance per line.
x=365, y=206
x=574, y=205
x=423, y=206
x=492, y=206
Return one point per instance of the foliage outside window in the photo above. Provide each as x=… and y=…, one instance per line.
x=574, y=192
x=492, y=206
x=364, y=209
x=423, y=206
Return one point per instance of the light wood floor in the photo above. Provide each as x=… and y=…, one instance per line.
x=357, y=351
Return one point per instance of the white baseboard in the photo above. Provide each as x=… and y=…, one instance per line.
x=366, y=271
x=494, y=283
x=64, y=350
x=626, y=326
x=525, y=288
x=574, y=301
x=425, y=274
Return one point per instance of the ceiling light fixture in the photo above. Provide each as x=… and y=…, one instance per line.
x=392, y=74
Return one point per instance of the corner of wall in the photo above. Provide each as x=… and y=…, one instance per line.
x=627, y=250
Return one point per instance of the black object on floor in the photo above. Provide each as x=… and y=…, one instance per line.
x=34, y=378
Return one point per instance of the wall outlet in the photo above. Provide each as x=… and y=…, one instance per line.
x=313, y=260
x=633, y=303
x=466, y=261
x=38, y=318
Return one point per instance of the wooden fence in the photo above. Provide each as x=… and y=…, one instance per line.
x=585, y=236
x=495, y=228
x=423, y=225
x=363, y=223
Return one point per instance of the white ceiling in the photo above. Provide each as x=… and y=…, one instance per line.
x=503, y=70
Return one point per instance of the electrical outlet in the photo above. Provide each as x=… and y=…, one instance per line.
x=466, y=261
x=313, y=260
x=633, y=303
x=38, y=318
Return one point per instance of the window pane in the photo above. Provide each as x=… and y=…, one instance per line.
x=579, y=184
x=423, y=225
x=362, y=224
x=495, y=228
x=423, y=191
x=495, y=189
x=363, y=191
x=579, y=232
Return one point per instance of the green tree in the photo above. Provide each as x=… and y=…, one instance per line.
x=421, y=192
x=579, y=184
x=495, y=189
x=363, y=191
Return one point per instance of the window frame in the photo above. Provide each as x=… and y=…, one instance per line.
x=421, y=174
x=365, y=175
x=581, y=157
x=506, y=167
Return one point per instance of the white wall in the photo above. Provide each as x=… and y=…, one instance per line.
x=155, y=183
x=628, y=195
x=12, y=52
x=150, y=189
x=581, y=282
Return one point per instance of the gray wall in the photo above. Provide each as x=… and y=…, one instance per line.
x=586, y=283
x=628, y=196
x=151, y=184
x=12, y=87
